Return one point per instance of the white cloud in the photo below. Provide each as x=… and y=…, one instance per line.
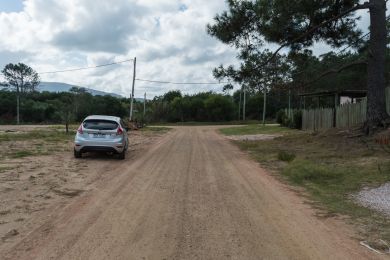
x=168, y=37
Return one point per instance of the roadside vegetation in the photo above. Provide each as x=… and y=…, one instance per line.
x=46, y=140
x=257, y=129
x=330, y=167
x=34, y=143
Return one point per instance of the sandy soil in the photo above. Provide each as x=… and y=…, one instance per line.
x=31, y=188
x=189, y=195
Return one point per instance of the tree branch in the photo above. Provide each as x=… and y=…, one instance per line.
x=332, y=71
x=365, y=5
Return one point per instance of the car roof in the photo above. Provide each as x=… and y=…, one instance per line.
x=102, y=117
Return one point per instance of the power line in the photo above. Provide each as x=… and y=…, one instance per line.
x=86, y=68
x=351, y=45
x=181, y=83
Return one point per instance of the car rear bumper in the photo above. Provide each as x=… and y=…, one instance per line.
x=115, y=148
x=85, y=149
x=86, y=143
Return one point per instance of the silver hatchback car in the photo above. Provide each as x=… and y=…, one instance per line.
x=101, y=134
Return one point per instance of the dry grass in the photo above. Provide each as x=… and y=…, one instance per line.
x=33, y=143
x=331, y=166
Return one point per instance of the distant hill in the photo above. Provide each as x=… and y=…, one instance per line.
x=63, y=87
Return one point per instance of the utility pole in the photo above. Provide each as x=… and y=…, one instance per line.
x=132, y=91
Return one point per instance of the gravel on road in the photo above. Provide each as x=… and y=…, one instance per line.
x=377, y=198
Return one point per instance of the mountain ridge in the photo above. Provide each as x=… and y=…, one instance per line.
x=64, y=87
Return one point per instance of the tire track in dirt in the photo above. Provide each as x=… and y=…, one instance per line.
x=191, y=196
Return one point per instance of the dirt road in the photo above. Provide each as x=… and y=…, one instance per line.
x=193, y=195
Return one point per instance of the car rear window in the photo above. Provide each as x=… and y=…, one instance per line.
x=97, y=124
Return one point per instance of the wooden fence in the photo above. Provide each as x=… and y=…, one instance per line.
x=347, y=115
x=317, y=119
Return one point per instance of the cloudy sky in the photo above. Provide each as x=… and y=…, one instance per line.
x=168, y=37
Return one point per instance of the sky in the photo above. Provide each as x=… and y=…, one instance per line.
x=168, y=37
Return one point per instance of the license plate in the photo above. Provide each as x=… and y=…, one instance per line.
x=99, y=135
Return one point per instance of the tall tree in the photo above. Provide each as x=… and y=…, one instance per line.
x=66, y=110
x=22, y=79
x=297, y=25
x=257, y=78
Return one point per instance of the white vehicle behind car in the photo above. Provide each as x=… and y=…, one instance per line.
x=101, y=134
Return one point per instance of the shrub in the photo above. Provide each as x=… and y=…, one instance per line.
x=286, y=156
x=297, y=119
x=281, y=117
x=294, y=122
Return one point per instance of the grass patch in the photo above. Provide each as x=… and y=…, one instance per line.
x=21, y=154
x=257, y=129
x=306, y=172
x=4, y=169
x=45, y=135
x=34, y=143
x=191, y=123
x=331, y=167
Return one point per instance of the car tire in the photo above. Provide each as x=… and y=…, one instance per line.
x=122, y=155
x=77, y=154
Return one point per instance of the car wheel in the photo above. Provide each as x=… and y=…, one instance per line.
x=122, y=155
x=77, y=154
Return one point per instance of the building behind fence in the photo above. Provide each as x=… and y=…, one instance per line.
x=344, y=116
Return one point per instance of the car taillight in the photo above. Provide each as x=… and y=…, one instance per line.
x=80, y=130
x=119, y=131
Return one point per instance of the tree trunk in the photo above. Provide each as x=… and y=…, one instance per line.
x=17, y=105
x=244, y=105
x=376, y=102
x=264, y=104
x=239, y=106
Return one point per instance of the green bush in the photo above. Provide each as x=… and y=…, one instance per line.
x=286, y=156
x=294, y=122
x=297, y=119
x=281, y=117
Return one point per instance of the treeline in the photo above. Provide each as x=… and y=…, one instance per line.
x=63, y=107
x=174, y=106
x=211, y=107
x=74, y=106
